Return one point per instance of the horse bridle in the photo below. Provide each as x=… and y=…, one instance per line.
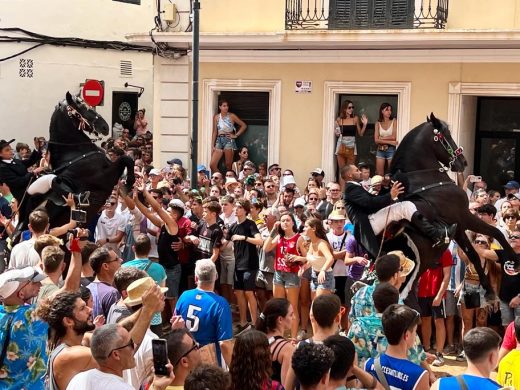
x=453, y=153
x=83, y=123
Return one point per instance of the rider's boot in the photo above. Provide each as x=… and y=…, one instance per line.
x=62, y=190
x=439, y=235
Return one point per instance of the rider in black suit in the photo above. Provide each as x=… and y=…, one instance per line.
x=13, y=172
x=364, y=211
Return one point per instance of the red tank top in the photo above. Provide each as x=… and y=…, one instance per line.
x=286, y=246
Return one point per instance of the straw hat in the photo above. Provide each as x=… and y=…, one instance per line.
x=336, y=215
x=230, y=181
x=137, y=289
x=407, y=265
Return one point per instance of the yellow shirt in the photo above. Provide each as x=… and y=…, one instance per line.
x=175, y=388
x=509, y=370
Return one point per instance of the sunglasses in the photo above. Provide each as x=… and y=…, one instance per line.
x=313, y=198
x=215, y=177
x=480, y=242
x=514, y=237
x=509, y=217
x=276, y=169
x=195, y=346
x=350, y=107
x=110, y=203
x=269, y=186
x=130, y=344
x=287, y=174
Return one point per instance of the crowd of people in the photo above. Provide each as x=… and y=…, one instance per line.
x=253, y=282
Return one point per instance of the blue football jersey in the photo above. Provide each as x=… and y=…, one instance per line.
x=399, y=373
x=207, y=316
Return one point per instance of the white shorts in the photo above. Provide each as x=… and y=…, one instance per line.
x=393, y=213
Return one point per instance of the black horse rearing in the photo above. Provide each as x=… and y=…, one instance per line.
x=79, y=163
x=421, y=162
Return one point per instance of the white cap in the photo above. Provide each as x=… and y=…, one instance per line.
x=176, y=203
x=11, y=279
x=299, y=202
x=155, y=172
x=289, y=179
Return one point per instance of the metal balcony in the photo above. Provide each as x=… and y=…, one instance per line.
x=365, y=14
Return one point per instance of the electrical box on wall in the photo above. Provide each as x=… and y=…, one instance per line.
x=170, y=13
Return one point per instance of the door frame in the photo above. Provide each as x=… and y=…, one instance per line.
x=333, y=89
x=210, y=89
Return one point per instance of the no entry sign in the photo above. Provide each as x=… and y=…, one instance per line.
x=92, y=92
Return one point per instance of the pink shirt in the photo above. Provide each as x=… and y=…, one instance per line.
x=509, y=341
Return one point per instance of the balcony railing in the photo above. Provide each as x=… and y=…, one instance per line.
x=365, y=14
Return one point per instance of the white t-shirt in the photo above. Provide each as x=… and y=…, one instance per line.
x=108, y=227
x=95, y=379
x=340, y=269
x=23, y=255
x=143, y=362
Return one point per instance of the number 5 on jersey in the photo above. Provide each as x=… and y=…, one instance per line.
x=192, y=321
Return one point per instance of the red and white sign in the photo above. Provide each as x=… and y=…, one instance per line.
x=92, y=92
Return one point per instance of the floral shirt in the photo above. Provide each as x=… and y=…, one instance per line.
x=370, y=341
x=25, y=361
x=362, y=302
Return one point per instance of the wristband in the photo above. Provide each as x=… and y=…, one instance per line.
x=74, y=245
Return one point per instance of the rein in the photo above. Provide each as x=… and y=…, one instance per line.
x=75, y=160
x=83, y=123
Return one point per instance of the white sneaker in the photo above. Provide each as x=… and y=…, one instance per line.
x=439, y=360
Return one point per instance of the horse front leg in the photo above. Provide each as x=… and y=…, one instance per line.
x=476, y=225
x=465, y=244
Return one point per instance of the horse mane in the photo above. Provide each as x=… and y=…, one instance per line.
x=405, y=151
x=406, y=154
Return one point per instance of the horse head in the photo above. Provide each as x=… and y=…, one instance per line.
x=84, y=116
x=446, y=150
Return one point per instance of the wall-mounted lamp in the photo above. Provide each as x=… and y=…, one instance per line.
x=141, y=89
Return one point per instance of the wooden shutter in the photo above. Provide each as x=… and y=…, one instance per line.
x=370, y=14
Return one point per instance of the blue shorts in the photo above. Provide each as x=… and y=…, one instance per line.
x=286, y=279
x=223, y=143
x=388, y=154
x=327, y=285
x=173, y=280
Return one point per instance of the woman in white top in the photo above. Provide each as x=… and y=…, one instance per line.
x=319, y=257
x=224, y=136
x=385, y=137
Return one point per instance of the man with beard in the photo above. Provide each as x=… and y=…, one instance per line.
x=70, y=318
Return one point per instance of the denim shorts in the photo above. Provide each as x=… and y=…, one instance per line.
x=327, y=285
x=388, y=154
x=286, y=279
x=173, y=280
x=223, y=143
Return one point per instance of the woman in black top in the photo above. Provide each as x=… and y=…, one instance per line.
x=274, y=322
x=347, y=127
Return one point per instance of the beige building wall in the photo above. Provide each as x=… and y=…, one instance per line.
x=302, y=115
x=269, y=15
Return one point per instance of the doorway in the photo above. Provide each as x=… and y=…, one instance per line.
x=253, y=109
x=497, y=140
x=124, y=108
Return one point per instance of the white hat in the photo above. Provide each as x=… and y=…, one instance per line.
x=136, y=290
x=289, y=179
x=299, y=202
x=176, y=203
x=318, y=171
x=11, y=279
x=376, y=179
x=155, y=172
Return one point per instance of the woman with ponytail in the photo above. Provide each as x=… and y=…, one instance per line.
x=274, y=322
